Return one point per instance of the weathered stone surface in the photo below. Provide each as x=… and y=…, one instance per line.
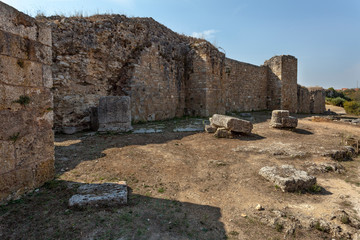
x=282, y=84
x=317, y=100
x=303, y=96
x=290, y=122
x=222, y=133
x=210, y=129
x=105, y=195
x=344, y=154
x=114, y=114
x=231, y=123
x=279, y=114
x=166, y=74
x=281, y=119
x=26, y=116
x=288, y=178
x=69, y=130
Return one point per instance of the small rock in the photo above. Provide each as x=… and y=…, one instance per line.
x=243, y=215
x=210, y=129
x=69, y=130
x=259, y=207
x=222, y=133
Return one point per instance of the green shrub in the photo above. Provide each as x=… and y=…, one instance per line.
x=338, y=101
x=352, y=107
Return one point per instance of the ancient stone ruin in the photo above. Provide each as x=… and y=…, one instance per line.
x=76, y=69
x=288, y=178
x=282, y=119
x=225, y=126
x=165, y=74
x=107, y=194
x=113, y=114
x=26, y=107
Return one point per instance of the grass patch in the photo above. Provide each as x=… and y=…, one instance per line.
x=345, y=219
x=315, y=188
x=279, y=227
x=23, y=100
x=14, y=137
x=20, y=63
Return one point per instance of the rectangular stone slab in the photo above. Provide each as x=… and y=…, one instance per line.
x=231, y=123
x=106, y=194
x=288, y=178
x=114, y=114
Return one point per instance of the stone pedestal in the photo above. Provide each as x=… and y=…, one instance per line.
x=114, y=114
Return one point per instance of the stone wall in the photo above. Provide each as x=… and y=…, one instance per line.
x=317, y=100
x=303, y=96
x=165, y=74
x=26, y=136
x=246, y=86
x=282, y=84
x=115, y=55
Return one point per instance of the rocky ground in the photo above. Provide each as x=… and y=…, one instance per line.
x=187, y=184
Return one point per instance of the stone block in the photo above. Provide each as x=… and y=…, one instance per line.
x=281, y=119
x=222, y=133
x=17, y=23
x=45, y=35
x=47, y=76
x=114, y=114
x=7, y=159
x=40, y=53
x=231, y=123
x=210, y=129
x=280, y=114
x=44, y=171
x=344, y=154
x=103, y=195
x=21, y=72
x=288, y=178
x=13, y=45
x=290, y=122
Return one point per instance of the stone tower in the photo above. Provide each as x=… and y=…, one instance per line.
x=282, y=83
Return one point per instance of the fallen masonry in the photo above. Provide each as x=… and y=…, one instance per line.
x=344, y=154
x=288, y=178
x=282, y=119
x=104, y=195
x=223, y=126
x=222, y=133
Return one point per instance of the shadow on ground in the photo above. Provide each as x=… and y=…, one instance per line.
x=45, y=215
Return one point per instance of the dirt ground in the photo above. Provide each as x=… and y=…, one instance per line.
x=188, y=185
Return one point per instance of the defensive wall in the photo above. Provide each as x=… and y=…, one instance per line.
x=26, y=136
x=79, y=60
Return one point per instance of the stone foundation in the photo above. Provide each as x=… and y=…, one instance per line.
x=26, y=105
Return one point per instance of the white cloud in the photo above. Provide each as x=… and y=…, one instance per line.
x=207, y=34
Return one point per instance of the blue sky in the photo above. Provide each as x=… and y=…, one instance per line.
x=323, y=34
